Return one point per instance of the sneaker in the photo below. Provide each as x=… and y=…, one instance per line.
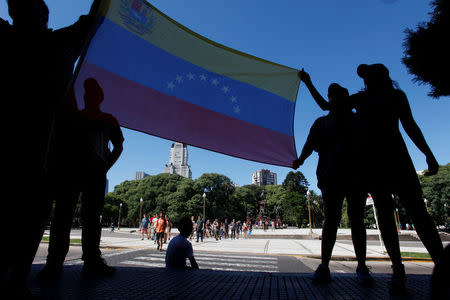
x=364, y=277
x=97, y=267
x=321, y=275
x=50, y=272
x=397, y=284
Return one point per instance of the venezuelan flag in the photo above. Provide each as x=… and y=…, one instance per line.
x=161, y=78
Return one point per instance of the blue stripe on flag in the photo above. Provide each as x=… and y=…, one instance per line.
x=153, y=67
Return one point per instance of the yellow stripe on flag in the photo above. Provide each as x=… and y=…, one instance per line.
x=179, y=41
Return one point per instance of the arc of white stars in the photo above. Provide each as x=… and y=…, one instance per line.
x=202, y=77
x=170, y=85
x=237, y=109
x=179, y=79
x=233, y=99
x=191, y=76
x=225, y=89
x=215, y=82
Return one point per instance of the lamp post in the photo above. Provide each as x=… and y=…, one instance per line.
x=398, y=219
x=426, y=203
x=204, y=201
x=140, y=213
x=308, y=195
x=120, y=210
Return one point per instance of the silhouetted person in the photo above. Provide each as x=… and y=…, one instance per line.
x=95, y=130
x=37, y=65
x=379, y=108
x=333, y=137
x=180, y=248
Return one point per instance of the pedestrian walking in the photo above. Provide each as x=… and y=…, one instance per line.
x=200, y=228
x=160, y=227
x=144, y=226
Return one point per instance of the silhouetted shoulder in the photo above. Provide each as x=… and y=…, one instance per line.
x=4, y=26
x=77, y=33
x=110, y=119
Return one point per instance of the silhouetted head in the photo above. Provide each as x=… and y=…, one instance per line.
x=376, y=77
x=185, y=226
x=338, y=97
x=29, y=15
x=93, y=94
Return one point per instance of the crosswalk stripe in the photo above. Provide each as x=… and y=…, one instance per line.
x=202, y=266
x=213, y=262
x=197, y=254
x=237, y=260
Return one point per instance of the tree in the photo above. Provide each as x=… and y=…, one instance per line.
x=219, y=190
x=436, y=189
x=426, y=50
x=296, y=182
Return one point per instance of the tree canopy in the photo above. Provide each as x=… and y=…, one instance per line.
x=426, y=50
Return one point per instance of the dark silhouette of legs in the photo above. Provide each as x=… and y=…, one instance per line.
x=385, y=212
x=60, y=230
x=425, y=227
x=355, y=209
x=332, y=203
x=92, y=201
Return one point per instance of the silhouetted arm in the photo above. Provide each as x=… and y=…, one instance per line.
x=308, y=148
x=94, y=8
x=117, y=142
x=323, y=104
x=415, y=134
x=115, y=154
x=194, y=264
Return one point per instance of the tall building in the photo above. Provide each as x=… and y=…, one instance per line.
x=264, y=177
x=178, y=161
x=107, y=186
x=140, y=175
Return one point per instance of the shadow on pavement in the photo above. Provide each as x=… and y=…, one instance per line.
x=146, y=283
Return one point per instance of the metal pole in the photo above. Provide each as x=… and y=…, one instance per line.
x=120, y=210
x=308, y=193
x=398, y=220
x=204, y=200
x=140, y=214
x=378, y=227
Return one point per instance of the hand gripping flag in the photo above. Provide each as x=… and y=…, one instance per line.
x=161, y=78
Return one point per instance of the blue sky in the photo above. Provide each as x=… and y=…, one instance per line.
x=328, y=38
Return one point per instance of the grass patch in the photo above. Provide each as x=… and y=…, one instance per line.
x=415, y=254
x=72, y=241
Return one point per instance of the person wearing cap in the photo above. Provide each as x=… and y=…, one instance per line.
x=333, y=137
x=379, y=108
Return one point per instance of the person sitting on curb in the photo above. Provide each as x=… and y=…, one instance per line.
x=180, y=248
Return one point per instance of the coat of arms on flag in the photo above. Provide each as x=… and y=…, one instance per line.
x=136, y=16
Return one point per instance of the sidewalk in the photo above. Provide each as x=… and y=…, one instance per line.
x=301, y=247
x=147, y=283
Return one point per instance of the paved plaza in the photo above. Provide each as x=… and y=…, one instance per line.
x=264, y=267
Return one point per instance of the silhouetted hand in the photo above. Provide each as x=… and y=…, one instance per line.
x=296, y=163
x=304, y=76
x=433, y=166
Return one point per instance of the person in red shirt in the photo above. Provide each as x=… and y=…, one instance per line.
x=160, y=227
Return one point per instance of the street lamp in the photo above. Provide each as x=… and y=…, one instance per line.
x=426, y=203
x=308, y=195
x=204, y=201
x=140, y=213
x=120, y=210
